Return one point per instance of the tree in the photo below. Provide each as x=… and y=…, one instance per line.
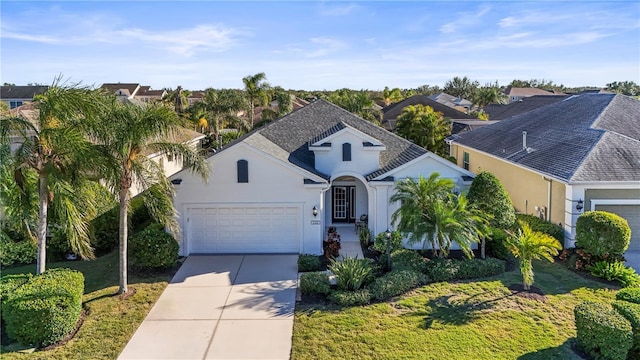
x=127, y=133
x=624, y=87
x=538, y=83
x=285, y=105
x=461, y=87
x=177, y=99
x=425, y=127
x=357, y=102
x=221, y=108
x=54, y=145
x=391, y=96
x=256, y=88
x=531, y=245
x=489, y=94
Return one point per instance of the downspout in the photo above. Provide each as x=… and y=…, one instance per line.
x=549, y=187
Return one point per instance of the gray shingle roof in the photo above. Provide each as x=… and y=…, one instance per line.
x=21, y=92
x=592, y=137
x=503, y=111
x=291, y=135
x=392, y=111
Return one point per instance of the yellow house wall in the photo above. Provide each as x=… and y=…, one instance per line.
x=526, y=188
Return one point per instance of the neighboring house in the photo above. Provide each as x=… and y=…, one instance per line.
x=391, y=112
x=579, y=154
x=134, y=91
x=145, y=94
x=517, y=93
x=16, y=96
x=504, y=111
x=462, y=125
x=194, y=97
x=453, y=102
x=278, y=188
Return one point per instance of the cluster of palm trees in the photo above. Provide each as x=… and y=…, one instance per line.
x=80, y=137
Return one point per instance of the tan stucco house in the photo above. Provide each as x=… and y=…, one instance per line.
x=557, y=161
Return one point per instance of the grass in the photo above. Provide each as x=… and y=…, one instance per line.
x=110, y=322
x=461, y=320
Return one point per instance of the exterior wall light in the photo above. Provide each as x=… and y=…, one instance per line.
x=315, y=211
x=580, y=205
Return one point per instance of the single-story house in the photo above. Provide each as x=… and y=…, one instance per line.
x=16, y=96
x=278, y=188
x=556, y=161
x=391, y=112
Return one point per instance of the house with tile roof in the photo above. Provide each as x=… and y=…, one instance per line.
x=16, y=96
x=519, y=93
x=504, y=111
x=556, y=161
x=134, y=91
x=278, y=188
x=391, y=112
x=453, y=102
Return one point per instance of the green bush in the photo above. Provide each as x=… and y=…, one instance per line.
x=153, y=248
x=44, y=309
x=602, y=332
x=315, y=283
x=352, y=273
x=105, y=231
x=17, y=252
x=406, y=259
x=350, y=298
x=489, y=196
x=630, y=294
x=395, y=283
x=602, y=234
x=543, y=226
x=364, y=235
x=631, y=312
x=496, y=244
x=450, y=269
x=9, y=283
x=308, y=262
x=380, y=242
x=626, y=276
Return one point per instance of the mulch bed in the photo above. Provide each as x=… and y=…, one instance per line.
x=533, y=293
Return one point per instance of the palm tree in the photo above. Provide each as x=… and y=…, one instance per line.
x=177, y=99
x=489, y=94
x=285, y=105
x=357, y=102
x=256, y=88
x=127, y=134
x=54, y=145
x=221, y=107
x=425, y=127
x=529, y=245
x=463, y=88
x=391, y=96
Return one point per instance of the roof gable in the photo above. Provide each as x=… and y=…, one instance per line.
x=337, y=130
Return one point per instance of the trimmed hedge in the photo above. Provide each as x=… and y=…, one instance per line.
x=8, y=283
x=543, y=226
x=450, y=269
x=44, y=309
x=153, y=248
x=350, y=298
x=406, y=259
x=602, y=332
x=308, y=262
x=629, y=294
x=17, y=252
x=631, y=312
x=602, y=234
x=315, y=283
x=394, y=283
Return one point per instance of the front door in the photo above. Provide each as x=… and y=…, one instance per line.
x=344, y=204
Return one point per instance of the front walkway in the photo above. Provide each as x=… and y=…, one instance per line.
x=222, y=307
x=349, y=242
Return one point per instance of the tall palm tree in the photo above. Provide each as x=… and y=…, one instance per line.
x=285, y=105
x=221, y=108
x=529, y=245
x=489, y=94
x=256, y=87
x=54, y=145
x=127, y=134
x=425, y=127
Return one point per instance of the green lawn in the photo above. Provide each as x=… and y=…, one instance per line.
x=462, y=320
x=110, y=322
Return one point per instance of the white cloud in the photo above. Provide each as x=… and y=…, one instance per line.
x=465, y=20
x=337, y=9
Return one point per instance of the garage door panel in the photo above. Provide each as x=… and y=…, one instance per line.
x=632, y=214
x=244, y=229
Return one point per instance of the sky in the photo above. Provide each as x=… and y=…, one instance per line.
x=319, y=45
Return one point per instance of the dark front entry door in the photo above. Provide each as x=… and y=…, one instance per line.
x=344, y=204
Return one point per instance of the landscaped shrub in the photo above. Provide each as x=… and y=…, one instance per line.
x=626, y=276
x=9, y=283
x=364, y=235
x=153, y=248
x=104, y=229
x=308, y=262
x=380, y=243
x=17, y=252
x=350, y=298
x=450, y=269
x=44, y=309
x=406, y=259
x=629, y=294
x=497, y=244
x=543, y=226
x=602, y=332
x=631, y=312
x=352, y=273
x=489, y=196
x=395, y=283
x=602, y=234
x=315, y=283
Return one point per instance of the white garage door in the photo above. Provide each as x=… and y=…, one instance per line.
x=632, y=214
x=241, y=228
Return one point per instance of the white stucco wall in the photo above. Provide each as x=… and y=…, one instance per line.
x=364, y=160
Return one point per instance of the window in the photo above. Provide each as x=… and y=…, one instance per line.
x=14, y=104
x=243, y=171
x=465, y=161
x=346, y=152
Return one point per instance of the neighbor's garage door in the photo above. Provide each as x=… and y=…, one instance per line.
x=240, y=228
x=632, y=214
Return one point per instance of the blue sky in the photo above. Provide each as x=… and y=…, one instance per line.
x=319, y=45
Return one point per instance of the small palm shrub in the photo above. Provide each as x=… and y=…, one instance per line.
x=602, y=332
x=308, y=262
x=351, y=273
x=395, y=283
x=626, y=276
x=630, y=294
x=153, y=248
x=350, y=298
x=602, y=234
x=380, y=242
x=315, y=283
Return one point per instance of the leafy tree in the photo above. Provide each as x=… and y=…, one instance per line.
x=463, y=87
x=220, y=109
x=538, y=83
x=529, y=245
x=624, y=87
x=285, y=105
x=357, y=102
x=391, y=96
x=256, y=87
x=127, y=134
x=425, y=127
x=54, y=145
x=489, y=94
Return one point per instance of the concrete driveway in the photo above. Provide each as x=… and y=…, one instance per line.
x=222, y=307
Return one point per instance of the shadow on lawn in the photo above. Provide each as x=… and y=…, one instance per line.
x=457, y=311
x=564, y=351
